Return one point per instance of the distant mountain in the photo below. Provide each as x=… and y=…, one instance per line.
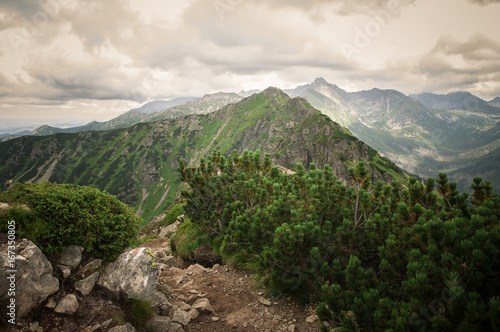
x=495, y=102
x=418, y=138
x=207, y=104
x=7, y=136
x=448, y=101
x=160, y=105
x=138, y=163
x=248, y=93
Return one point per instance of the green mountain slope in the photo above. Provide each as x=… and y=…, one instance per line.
x=138, y=163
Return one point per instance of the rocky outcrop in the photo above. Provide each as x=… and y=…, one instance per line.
x=34, y=280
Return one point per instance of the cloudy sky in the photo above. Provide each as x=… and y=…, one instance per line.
x=72, y=61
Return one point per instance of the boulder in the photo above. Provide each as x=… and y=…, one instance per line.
x=34, y=279
x=86, y=285
x=134, y=275
x=71, y=256
x=67, y=305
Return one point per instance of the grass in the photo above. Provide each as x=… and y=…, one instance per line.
x=187, y=239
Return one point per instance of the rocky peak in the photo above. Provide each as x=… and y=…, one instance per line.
x=275, y=93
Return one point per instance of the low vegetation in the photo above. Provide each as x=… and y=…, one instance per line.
x=375, y=256
x=61, y=215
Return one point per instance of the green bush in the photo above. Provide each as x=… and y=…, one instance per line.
x=61, y=215
x=422, y=257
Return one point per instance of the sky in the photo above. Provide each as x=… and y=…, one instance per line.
x=68, y=62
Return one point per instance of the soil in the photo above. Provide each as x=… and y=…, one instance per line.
x=237, y=302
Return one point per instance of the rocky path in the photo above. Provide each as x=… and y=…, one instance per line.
x=237, y=302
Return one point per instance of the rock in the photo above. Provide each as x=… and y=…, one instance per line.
x=181, y=317
x=158, y=323
x=165, y=289
x=171, y=261
x=51, y=303
x=159, y=299
x=165, y=308
x=264, y=301
x=124, y=328
x=163, y=255
x=170, y=229
x=312, y=319
x=133, y=275
x=215, y=319
x=86, y=285
x=71, y=256
x=34, y=279
x=193, y=313
x=291, y=328
x=195, y=268
x=176, y=327
x=184, y=306
x=66, y=270
x=203, y=305
x=67, y=305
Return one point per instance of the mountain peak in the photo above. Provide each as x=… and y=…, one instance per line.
x=321, y=81
x=274, y=92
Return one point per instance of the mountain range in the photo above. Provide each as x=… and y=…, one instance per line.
x=135, y=154
x=461, y=139
x=138, y=163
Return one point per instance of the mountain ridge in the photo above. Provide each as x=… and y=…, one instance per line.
x=138, y=163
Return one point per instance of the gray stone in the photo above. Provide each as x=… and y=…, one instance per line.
x=86, y=285
x=66, y=270
x=133, y=275
x=51, y=303
x=176, y=327
x=124, y=328
x=34, y=279
x=203, y=305
x=159, y=323
x=193, y=313
x=181, y=317
x=165, y=308
x=71, y=256
x=67, y=305
x=312, y=319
